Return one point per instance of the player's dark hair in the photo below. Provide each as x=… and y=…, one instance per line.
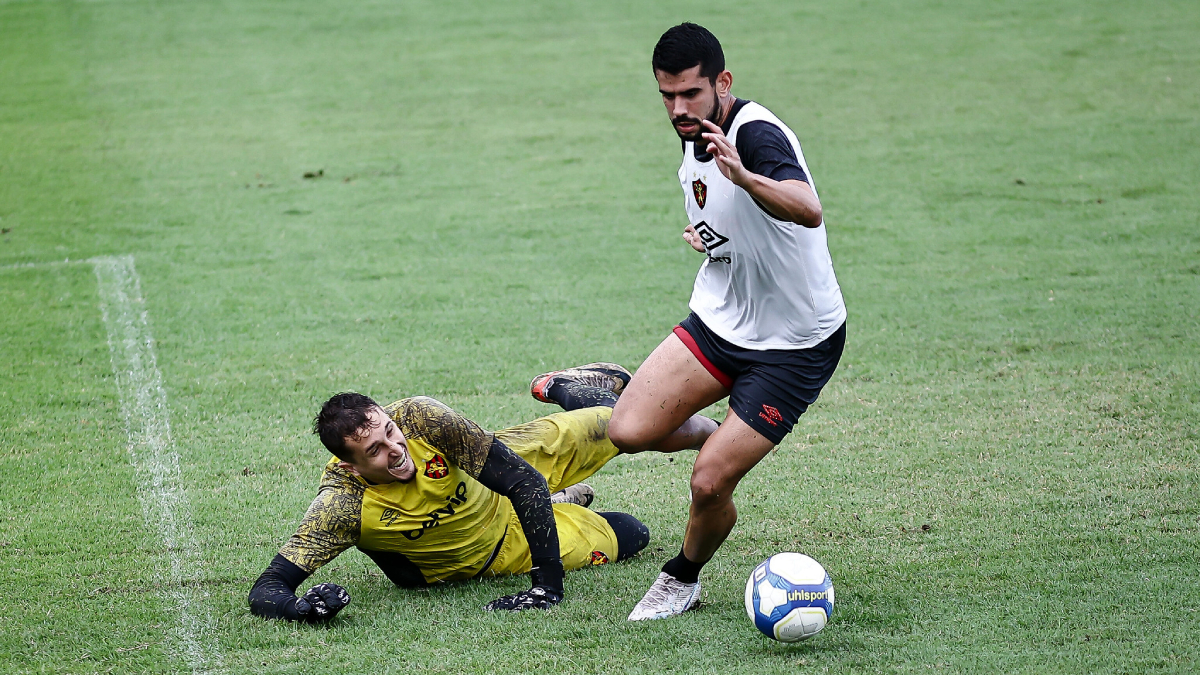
x=343, y=416
x=687, y=46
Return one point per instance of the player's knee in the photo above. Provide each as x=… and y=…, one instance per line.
x=698, y=428
x=628, y=435
x=632, y=534
x=710, y=487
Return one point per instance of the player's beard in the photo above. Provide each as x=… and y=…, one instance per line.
x=695, y=137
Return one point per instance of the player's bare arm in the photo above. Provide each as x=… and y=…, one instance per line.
x=791, y=200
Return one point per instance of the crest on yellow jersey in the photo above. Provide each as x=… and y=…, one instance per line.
x=436, y=468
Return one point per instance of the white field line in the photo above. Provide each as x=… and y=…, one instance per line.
x=41, y=265
x=152, y=452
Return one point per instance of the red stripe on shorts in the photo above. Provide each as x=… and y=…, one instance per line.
x=725, y=380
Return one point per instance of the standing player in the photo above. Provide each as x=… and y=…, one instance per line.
x=421, y=490
x=767, y=324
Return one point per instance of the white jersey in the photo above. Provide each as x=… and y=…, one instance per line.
x=767, y=283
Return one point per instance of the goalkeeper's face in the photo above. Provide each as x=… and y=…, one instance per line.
x=380, y=451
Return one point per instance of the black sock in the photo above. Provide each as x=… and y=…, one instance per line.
x=683, y=569
x=573, y=395
x=632, y=534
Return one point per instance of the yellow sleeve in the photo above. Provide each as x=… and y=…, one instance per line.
x=331, y=525
x=461, y=441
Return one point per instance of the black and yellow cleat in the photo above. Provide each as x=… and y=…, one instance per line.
x=606, y=376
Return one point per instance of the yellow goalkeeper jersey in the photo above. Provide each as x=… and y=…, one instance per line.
x=444, y=521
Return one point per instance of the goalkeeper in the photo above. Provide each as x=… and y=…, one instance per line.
x=421, y=490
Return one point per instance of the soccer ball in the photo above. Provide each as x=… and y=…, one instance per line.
x=789, y=597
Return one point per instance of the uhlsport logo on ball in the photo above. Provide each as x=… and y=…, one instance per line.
x=789, y=597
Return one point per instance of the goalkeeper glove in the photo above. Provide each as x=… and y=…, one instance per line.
x=534, y=598
x=547, y=590
x=321, y=603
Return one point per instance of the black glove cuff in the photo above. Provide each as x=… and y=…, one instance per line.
x=548, y=573
x=288, y=609
x=274, y=594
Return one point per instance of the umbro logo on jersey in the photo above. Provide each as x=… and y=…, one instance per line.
x=436, y=468
x=712, y=239
x=771, y=415
x=701, y=191
x=709, y=236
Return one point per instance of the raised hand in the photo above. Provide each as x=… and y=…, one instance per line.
x=321, y=603
x=537, y=597
x=728, y=159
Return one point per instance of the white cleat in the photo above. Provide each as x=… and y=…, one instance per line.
x=579, y=493
x=667, y=597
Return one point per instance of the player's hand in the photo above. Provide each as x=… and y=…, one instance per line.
x=537, y=597
x=693, y=238
x=321, y=603
x=728, y=159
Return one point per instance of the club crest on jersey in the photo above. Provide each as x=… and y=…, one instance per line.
x=598, y=558
x=436, y=468
x=701, y=191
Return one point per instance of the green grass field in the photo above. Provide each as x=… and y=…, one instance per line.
x=1010, y=195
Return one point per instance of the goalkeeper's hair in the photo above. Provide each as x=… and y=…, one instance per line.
x=344, y=416
x=687, y=46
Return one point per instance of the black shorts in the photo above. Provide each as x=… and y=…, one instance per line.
x=769, y=389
